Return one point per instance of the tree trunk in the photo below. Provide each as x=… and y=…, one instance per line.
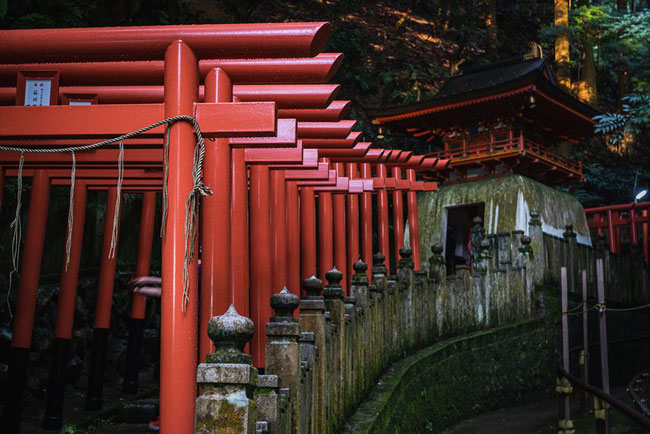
x=587, y=85
x=562, y=44
x=623, y=77
x=492, y=29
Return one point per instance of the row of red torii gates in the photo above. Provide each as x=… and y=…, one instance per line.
x=288, y=177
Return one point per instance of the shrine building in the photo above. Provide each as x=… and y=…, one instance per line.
x=510, y=134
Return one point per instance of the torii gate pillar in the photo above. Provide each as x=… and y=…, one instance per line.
x=178, y=353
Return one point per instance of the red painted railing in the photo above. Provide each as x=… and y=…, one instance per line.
x=514, y=145
x=632, y=218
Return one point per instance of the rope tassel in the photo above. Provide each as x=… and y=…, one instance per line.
x=191, y=205
x=17, y=227
x=116, y=214
x=68, y=241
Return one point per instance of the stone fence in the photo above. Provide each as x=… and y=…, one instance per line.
x=320, y=366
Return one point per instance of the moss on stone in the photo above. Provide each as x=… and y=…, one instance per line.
x=510, y=194
x=457, y=378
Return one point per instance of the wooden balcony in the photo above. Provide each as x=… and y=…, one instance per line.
x=511, y=154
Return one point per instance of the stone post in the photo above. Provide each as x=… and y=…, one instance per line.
x=308, y=362
x=377, y=290
x=312, y=319
x=333, y=294
x=527, y=263
x=405, y=279
x=348, y=353
x=570, y=257
x=268, y=402
x=228, y=379
x=536, y=235
x=359, y=290
x=437, y=269
x=283, y=350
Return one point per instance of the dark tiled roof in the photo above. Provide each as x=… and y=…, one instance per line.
x=493, y=75
x=489, y=80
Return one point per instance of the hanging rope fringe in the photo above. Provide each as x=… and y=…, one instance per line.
x=68, y=241
x=116, y=214
x=17, y=227
x=165, y=197
x=191, y=204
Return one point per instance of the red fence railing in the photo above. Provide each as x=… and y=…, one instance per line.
x=511, y=144
x=619, y=220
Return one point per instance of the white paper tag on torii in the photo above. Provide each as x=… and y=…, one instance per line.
x=37, y=91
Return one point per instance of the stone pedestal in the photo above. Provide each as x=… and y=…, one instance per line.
x=312, y=319
x=228, y=380
x=283, y=350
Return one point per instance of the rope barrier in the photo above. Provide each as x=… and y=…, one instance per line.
x=191, y=203
x=602, y=307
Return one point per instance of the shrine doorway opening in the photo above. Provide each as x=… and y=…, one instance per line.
x=457, y=226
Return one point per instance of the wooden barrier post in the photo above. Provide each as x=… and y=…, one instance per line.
x=601, y=409
x=565, y=424
x=584, y=354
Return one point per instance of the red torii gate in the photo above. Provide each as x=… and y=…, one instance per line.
x=181, y=83
x=295, y=172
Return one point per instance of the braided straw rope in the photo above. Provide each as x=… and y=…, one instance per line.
x=191, y=204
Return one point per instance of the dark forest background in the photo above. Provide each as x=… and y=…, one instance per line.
x=400, y=51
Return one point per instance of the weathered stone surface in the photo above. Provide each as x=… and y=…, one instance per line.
x=283, y=350
x=225, y=409
x=508, y=201
x=226, y=403
x=230, y=332
x=226, y=373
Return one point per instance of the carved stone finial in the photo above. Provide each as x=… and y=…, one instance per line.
x=437, y=249
x=405, y=262
x=313, y=286
x=360, y=277
x=378, y=266
x=334, y=277
x=525, y=240
x=534, y=218
x=284, y=303
x=406, y=252
x=333, y=290
x=230, y=332
x=569, y=233
x=360, y=267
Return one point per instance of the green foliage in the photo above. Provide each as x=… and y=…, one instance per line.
x=633, y=118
